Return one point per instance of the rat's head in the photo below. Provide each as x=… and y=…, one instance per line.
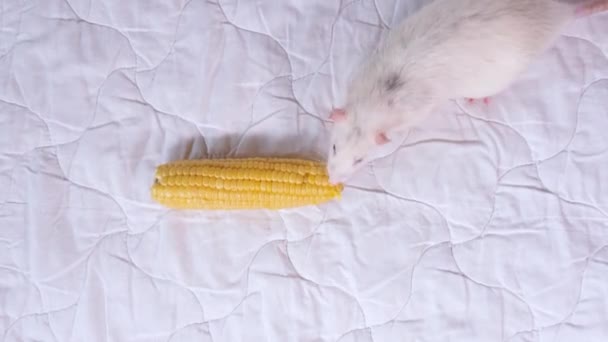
x=352, y=145
x=379, y=104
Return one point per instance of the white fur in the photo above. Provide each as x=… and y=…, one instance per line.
x=447, y=50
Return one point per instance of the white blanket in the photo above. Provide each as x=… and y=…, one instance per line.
x=489, y=224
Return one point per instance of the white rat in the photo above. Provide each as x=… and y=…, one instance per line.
x=449, y=49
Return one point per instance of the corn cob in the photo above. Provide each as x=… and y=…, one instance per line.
x=253, y=183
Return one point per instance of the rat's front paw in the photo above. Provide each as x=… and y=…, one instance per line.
x=485, y=100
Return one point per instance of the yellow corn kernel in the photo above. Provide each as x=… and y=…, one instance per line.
x=249, y=183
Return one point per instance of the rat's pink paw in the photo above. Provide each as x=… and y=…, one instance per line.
x=589, y=9
x=485, y=100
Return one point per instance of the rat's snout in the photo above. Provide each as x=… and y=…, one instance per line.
x=336, y=180
x=335, y=176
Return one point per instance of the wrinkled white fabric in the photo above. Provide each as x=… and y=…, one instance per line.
x=489, y=224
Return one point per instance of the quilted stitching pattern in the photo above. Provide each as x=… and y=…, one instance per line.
x=498, y=233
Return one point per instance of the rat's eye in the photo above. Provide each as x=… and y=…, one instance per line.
x=358, y=161
x=334, y=148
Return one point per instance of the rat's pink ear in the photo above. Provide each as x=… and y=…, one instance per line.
x=337, y=115
x=382, y=139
